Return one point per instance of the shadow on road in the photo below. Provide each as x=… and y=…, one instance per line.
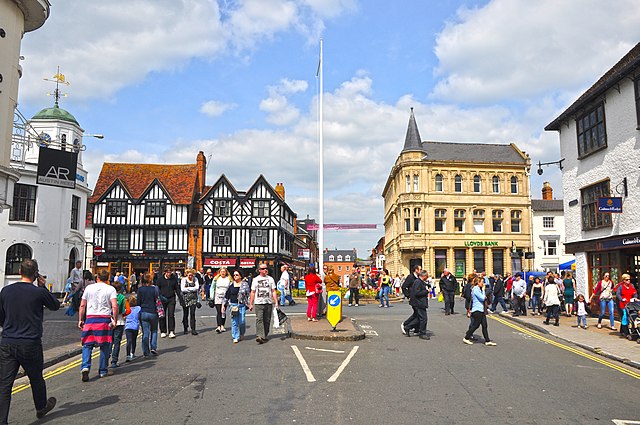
x=68, y=409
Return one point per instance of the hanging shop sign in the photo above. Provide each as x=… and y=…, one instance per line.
x=247, y=263
x=610, y=205
x=57, y=168
x=220, y=262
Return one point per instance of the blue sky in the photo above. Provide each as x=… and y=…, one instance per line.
x=163, y=79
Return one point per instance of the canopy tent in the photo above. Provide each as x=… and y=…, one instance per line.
x=569, y=265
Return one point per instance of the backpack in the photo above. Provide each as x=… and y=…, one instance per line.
x=466, y=292
x=406, y=287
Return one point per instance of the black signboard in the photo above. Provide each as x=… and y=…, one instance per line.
x=57, y=168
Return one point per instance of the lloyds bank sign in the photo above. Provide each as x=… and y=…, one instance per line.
x=481, y=243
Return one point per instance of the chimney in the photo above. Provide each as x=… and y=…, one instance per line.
x=547, y=191
x=201, y=162
x=280, y=190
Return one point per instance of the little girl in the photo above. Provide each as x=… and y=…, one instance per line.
x=582, y=308
x=131, y=326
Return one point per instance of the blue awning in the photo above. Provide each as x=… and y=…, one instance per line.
x=567, y=265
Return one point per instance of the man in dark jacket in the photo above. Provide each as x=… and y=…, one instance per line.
x=406, y=291
x=498, y=295
x=419, y=301
x=448, y=285
x=169, y=289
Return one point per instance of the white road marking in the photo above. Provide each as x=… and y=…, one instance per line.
x=374, y=333
x=624, y=422
x=303, y=363
x=344, y=364
x=324, y=349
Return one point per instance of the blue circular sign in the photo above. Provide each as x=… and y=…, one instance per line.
x=334, y=300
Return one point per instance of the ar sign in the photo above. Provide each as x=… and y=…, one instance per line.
x=57, y=167
x=334, y=307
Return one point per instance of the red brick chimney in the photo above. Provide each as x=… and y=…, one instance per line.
x=201, y=162
x=547, y=191
x=280, y=190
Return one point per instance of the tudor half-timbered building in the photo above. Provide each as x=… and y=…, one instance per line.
x=241, y=228
x=144, y=216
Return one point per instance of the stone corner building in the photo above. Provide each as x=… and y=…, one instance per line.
x=463, y=206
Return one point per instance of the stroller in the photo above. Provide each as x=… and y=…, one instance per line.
x=633, y=317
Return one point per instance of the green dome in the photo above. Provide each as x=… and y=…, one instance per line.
x=55, y=113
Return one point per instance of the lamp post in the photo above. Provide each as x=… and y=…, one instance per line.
x=540, y=164
x=195, y=249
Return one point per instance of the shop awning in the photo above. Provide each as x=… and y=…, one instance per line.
x=567, y=265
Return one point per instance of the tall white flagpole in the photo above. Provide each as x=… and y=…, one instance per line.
x=321, y=164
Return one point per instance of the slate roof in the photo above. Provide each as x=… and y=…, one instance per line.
x=620, y=70
x=547, y=205
x=179, y=181
x=342, y=252
x=412, y=140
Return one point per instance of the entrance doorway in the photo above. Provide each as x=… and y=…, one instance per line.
x=414, y=262
x=72, y=260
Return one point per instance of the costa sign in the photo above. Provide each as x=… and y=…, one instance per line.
x=247, y=263
x=220, y=262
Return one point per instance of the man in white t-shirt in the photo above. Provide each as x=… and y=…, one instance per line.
x=76, y=275
x=284, y=285
x=264, y=297
x=100, y=308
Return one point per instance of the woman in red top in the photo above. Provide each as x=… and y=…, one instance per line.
x=625, y=293
x=311, y=282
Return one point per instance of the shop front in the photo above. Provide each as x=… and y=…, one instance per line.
x=140, y=264
x=246, y=264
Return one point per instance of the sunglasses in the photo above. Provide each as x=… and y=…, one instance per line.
x=261, y=268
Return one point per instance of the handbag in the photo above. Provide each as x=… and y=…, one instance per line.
x=235, y=311
x=318, y=288
x=440, y=297
x=281, y=316
x=159, y=308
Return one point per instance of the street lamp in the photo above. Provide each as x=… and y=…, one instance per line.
x=195, y=249
x=540, y=164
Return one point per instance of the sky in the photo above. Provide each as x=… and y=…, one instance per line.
x=164, y=79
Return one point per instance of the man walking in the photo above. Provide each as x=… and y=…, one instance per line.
x=21, y=318
x=419, y=300
x=285, y=281
x=99, y=307
x=498, y=295
x=448, y=285
x=76, y=276
x=406, y=291
x=263, y=297
x=355, y=283
x=519, y=290
x=169, y=289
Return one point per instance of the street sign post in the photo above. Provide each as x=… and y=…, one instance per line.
x=98, y=251
x=334, y=308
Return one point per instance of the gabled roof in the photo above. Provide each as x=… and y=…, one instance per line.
x=221, y=180
x=625, y=66
x=178, y=181
x=262, y=179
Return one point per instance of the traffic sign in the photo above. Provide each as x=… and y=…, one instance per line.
x=334, y=307
x=98, y=251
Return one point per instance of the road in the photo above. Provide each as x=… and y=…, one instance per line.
x=388, y=378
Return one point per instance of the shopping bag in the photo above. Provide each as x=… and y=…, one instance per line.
x=281, y=316
x=276, y=320
x=440, y=297
x=347, y=295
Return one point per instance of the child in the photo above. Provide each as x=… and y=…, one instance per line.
x=132, y=324
x=118, y=331
x=582, y=308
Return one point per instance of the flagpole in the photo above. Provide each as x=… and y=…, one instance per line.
x=321, y=165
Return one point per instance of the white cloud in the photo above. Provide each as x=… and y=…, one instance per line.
x=277, y=106
x=214, y=108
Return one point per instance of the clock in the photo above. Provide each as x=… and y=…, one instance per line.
x=44, y=140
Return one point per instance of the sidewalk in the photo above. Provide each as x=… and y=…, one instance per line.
x=346, y=330
x=604, y=342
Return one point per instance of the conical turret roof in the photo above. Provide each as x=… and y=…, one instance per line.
x=412, y=141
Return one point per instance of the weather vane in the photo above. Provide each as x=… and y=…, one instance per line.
x=58, y=78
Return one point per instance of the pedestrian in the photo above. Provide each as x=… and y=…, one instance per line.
x=355, y=283
x=237, y=298
x=406, y=291
x=581, y=309
x=551, y=299
x=604, y=293
x=220, y=286
x=322, y=296
x=331, y=280
x=148, y=296
x=169, y=288
x=76, y=275
x=131, y=326
x=479, y=318
x=118, y=330
x=263, y=297
x=208, y=281
x=21, y=314
x=419, y=301
x=385, y=288
x=519, y=290
x=133, y=282
x=313, y=285
x=201, y=281
x=530, y=283
x=98, y=317
x=286, y=283
x=448, y=285
x=537, y=292
x=396, y=285
x=498, y=295
x=569, y=291
x=189, y=288
x=625, y=293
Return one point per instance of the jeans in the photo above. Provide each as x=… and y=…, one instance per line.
x=603, y=305
x=384, y=294
x=449, y=301
x=286, y=297
x=263, y=319
x=418, y=320
x=553, y=311
x=536, y=303
x=312, y=306
x=478, y=318
x=132, y=336
x=149, y=323
x=520, y=305
x=582, y=320
x=31, y=358
x=169, y=316
x=498, y=299
x=238, y=324
x=105, y=352
x=115, y=348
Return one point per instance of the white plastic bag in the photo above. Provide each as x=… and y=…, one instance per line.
x=276, y=321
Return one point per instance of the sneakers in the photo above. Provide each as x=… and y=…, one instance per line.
x=357, y=305
x=380, y=306
x=350, y=305
x=467, y=341
x=154, y=353
x=490, y=344
x=85, y=375
x=129, y=358
x=163, y=335
x=599, y=326
x=104, y=375
x=424, y=336
x=115, y=365
x=404, y=331
x=172, y=335
x=51, y=403
x=235, y=341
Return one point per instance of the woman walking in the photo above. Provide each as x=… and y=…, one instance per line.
x=220, y=286
x=552, y=301
x=313, y=285
x=189, y=287
x=604, y=292
x=624, y=294
x=569, y=293
x=237, y=296
x=537, y=291
x=478, y=313
x=147, y=300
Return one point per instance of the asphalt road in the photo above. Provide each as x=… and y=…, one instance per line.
x=388, y=378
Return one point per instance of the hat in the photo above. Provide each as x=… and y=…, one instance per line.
x=518, y=274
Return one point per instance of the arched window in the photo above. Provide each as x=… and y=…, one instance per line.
x=514, y=184
x=438, y=182
x=15, y=255
x=496, y=184
x=458, y=183
x=476, y=184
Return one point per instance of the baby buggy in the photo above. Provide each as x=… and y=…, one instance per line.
x=633, y=313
